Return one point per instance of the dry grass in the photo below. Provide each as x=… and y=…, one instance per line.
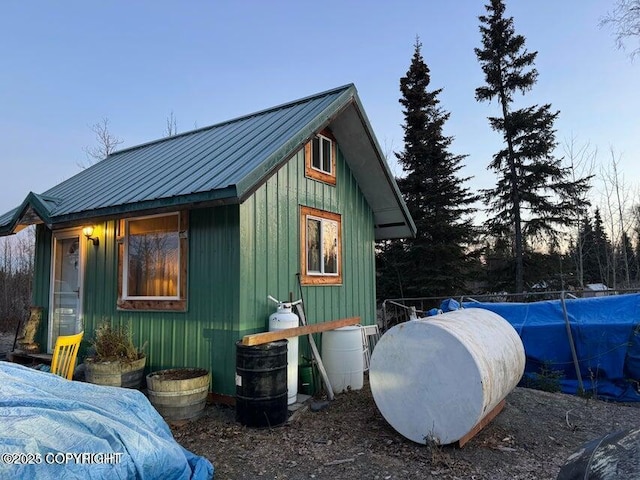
x=114, y=343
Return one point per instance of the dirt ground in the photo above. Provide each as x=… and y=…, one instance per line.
x=6, y=343
x=530, y=439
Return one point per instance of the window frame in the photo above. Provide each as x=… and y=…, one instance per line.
x=317, y=173
x=172, y=303
x=319, y=278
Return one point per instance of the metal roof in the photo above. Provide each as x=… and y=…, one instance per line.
x=223, y=163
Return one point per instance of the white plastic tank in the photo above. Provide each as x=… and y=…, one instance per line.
x=281, y=319
x=435, y=379
x=343, y=358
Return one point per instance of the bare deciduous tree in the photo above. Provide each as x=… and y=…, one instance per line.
x=106, y=143
x=625, y=21
x=172, y=126
x=16, y=277
x=617, y=199
x=581, y=160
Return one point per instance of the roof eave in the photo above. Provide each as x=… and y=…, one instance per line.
x=223, y=196
x=254, y=179
x=398, y=224
x=33, y=201
x=367, y=162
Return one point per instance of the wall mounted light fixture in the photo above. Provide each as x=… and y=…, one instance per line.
x=88, y=232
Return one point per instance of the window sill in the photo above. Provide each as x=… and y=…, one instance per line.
x=153, y=305
x=321, y=280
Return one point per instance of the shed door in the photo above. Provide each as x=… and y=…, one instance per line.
x=65, y=299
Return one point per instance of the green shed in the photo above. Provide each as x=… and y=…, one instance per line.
x=183, y=238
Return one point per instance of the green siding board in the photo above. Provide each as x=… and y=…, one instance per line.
x=275, y=272
x=213, y=298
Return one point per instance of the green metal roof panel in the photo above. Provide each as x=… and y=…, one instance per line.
x=6, y=218
x=204, y=160
x=223, y=162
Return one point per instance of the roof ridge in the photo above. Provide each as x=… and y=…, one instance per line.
x=236, y=119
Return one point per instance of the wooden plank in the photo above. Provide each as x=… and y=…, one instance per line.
x=481, y=424
x=24, y=358
x=266, y=337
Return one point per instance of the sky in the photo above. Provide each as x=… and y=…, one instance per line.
x=67, y=65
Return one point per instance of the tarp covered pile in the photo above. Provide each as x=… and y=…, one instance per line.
x=606, y=334
x=52, y=428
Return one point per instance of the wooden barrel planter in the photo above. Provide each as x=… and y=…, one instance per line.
x=115, y=374
x=179, y=393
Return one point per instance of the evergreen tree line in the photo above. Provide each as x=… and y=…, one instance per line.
x=539, y=199
x=602, y=260
x=16, y=278
x=535, y=202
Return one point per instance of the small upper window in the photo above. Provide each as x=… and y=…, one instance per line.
x=152, y=262
x=321, y=154
x=320, y=158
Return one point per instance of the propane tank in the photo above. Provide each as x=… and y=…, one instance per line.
x=281, y=319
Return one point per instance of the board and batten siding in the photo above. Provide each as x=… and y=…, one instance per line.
x=204, y=336
x=238, y=255
x=270, y=246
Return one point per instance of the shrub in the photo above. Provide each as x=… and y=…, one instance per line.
x=115, y=343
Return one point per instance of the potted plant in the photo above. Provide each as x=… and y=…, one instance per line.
x=179, y=393
x=116, y=361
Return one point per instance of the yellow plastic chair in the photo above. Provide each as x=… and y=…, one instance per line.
x=64, y=355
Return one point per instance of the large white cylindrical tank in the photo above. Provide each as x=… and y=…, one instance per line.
x=435, y=379
x=281, y=319
x=343, y=358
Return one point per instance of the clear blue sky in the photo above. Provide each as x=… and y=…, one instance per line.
x=66, y=65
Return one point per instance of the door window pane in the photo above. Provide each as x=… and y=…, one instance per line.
x=65, y=299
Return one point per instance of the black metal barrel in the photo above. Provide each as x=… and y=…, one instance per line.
x=612, y=457
x=261, y=384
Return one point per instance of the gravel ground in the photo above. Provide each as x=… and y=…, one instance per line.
x=530, y=439
x=6, y=343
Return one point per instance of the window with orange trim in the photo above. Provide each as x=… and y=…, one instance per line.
x=320, y=158
x=320, y=247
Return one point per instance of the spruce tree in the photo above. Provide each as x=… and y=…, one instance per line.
x=436, y=261
x=590, y=268
x=603, y=249
x=534, y=194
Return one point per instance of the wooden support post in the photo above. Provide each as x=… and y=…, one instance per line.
x=481, y=424
x=316, y=354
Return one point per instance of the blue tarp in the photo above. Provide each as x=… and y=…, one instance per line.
x=48, y=418
x=606, y=334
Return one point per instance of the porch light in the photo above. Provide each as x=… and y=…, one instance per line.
x=88, y=232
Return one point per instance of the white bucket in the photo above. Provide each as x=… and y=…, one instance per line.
x=435, y=379
x=343, y=359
